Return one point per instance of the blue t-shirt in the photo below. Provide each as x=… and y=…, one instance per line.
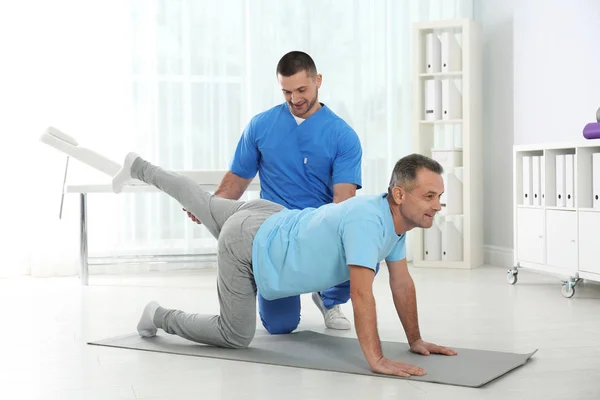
x=304, y=251
x=298, y=164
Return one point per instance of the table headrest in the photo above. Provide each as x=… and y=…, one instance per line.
x=61, y=135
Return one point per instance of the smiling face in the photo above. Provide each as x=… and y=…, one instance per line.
x=415, y=204
x=301, y=92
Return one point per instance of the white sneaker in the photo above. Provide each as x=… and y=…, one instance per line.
x=334, y=318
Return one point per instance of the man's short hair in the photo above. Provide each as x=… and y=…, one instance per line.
x=405, y=170
x=294, y=62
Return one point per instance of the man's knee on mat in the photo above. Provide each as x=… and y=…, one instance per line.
x=280, y=326
x=235, y=341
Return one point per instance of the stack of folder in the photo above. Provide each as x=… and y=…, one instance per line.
x=442, y=53
x=443, y=100
x=533, y=181
x=444, y=240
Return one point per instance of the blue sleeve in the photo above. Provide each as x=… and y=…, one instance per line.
x=399, y=251
x=246, y=157
x=362, y=241
x=348, y=159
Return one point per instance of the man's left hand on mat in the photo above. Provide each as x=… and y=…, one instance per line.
x=422, y=347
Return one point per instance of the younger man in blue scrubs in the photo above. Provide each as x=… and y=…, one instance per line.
x=306, y=157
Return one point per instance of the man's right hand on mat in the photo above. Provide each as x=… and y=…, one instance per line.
x=422, y=347
x=192, y=216
x=393, y=367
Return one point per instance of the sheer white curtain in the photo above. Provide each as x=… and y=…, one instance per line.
x=65, y=63
x=177, y=80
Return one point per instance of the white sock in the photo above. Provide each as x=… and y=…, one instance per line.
x=124, y=175
x=146, y=327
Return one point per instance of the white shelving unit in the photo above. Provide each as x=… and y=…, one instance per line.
x=557, y=211
x=447, y=125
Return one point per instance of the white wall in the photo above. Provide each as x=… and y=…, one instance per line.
x=495, y=17
x=541, y=84
x=556, y=69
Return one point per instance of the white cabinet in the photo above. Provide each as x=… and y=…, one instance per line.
x=561, y=239
x=589, y=242
x=530, y=233
x=560, y=233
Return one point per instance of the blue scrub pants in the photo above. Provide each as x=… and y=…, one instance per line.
x=283, y=315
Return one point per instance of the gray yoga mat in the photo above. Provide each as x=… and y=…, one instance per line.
x=312, y=350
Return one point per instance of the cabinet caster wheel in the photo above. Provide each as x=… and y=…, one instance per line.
x=567, y=290
x=511, y=277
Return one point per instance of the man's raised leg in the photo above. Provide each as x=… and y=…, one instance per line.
x=212, y=211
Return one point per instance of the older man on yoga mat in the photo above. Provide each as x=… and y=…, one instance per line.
x=283, y=252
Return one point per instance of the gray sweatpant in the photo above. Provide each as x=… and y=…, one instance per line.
x=234, y=224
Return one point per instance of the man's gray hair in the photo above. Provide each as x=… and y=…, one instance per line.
x=405, y=171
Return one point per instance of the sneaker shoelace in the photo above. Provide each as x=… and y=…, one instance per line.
x=335, y=312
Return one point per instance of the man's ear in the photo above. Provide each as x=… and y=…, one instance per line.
x=319, y=80
x=398, y=194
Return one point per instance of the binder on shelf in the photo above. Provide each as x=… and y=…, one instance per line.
x=527, y=181
x=448, y=158
x=543, y=180
x=457, y=135
x=569, y=181
x=596, y=180
x=442, y=138
x=433, y=53
x=447, y=136
x=432, y=241
x=451, y=100
x=433, y=100
x=451, y=54
x=452, y=238
x=560, y=181
x=452, y=198
x=439, y=138
x=536, y=195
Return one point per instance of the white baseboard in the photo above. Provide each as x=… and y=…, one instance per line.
x=492, y=255
x=498, y=256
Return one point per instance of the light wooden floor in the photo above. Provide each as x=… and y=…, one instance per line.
x=46, y=323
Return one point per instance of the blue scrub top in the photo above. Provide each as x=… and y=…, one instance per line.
x=298, y=164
